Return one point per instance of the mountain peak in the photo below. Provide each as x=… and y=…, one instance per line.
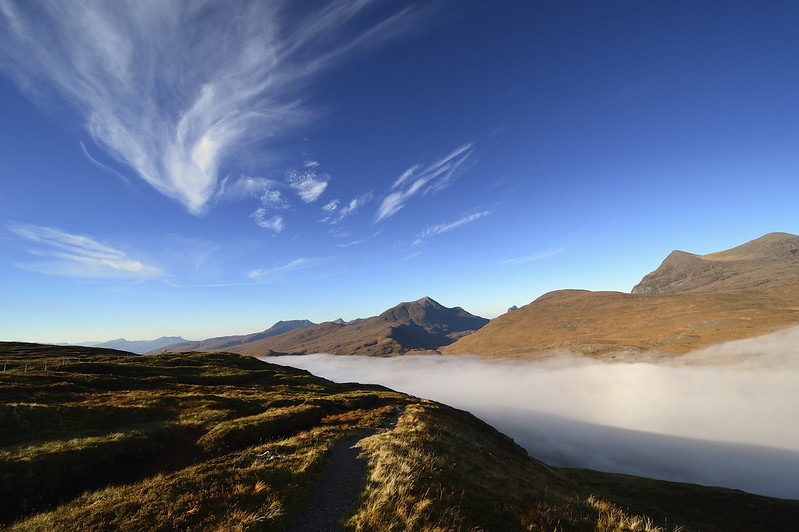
x=772, y=259
x=413, y=310
x=427, y=301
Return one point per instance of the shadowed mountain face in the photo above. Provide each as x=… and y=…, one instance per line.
x=416, y=326
x=771, y=260
x=222, y=343
x=691, y=301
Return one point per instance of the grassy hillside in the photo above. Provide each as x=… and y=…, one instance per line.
x=101, y=440
x=689, y=302
x=603, y=323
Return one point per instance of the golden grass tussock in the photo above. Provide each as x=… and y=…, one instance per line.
x=612, y=518
x=273, y=423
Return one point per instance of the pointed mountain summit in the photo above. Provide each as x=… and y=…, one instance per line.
x=430, y=313
x=413, y=310
x=690, y=301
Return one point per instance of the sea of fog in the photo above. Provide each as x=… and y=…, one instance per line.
x=723, y=416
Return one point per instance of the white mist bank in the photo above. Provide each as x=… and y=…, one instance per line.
x=723, y=416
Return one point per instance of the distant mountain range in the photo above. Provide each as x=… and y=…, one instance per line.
x=226, y=343
x=134, y=346
x=411, y=327
x=689, y=302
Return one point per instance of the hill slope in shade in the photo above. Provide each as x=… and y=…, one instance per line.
x=691, y=301
x=417, y=326
x=220, y=441
x=769, y=261
x=222, y=343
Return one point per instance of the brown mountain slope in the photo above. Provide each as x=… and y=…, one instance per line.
x=771, y=260
x=416, y=326
x=600, y=323
x=739, y=293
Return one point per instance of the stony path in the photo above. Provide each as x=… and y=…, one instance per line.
x=340, y=486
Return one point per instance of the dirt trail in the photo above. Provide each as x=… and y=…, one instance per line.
x=340, y=486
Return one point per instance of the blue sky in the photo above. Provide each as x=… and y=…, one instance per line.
x=197, y=169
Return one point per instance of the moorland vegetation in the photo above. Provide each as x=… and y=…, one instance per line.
x=106, y=440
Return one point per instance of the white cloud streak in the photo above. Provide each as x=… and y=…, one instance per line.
x=359, y=242
x=443, y=228
x=336, y=214
x=433, y=178
x=407, y=174
x=355, y=204
x=173, y=89
x=259, y=275
x=532, y=258
x=723, y=416
x=81, y=256
x=98, y=164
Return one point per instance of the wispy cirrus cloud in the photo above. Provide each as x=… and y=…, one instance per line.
x=407, y=174
x=173, y=89
x=434, y=230
x=308, y=184
x=336, y=214
x=274, y=222
x=98, y=164
x=359, y=242
x=416, y=179
x=71, y=255
x=260, y=274
x=534, y=257
x=273, y=195
x=246, y=186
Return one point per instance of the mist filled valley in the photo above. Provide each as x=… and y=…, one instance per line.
x=722, y=416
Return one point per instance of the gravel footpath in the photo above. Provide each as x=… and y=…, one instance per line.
x=340, y=486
